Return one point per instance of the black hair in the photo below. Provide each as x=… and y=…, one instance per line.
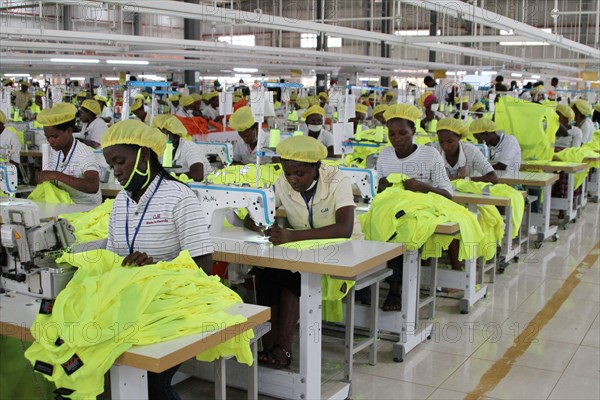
x=499, y=79
x=500, y=87
x=428, y=79
x=513, y=85
x=596, y=116
x=66, y=125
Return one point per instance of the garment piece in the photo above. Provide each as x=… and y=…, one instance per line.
x=91, y=225
x=507, y=152
x=9, y=140
x=246, y=174
x=243, y=154
x=49, y=193
x=77, y=162
x=470, y=159
x=106, y=309
x=173, y=222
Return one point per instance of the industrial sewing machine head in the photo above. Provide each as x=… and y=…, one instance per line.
x=223, y=150
x=218, y=199
x=30, y=246
x=365, y=180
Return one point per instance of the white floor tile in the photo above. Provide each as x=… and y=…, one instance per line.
x=592, y=338
x=585, y=362
x=369, y=387
x=576, y=387
x=443, y=394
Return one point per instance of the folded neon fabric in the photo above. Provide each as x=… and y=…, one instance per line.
x=91, y=225
x=49, y=193
x=106, y=309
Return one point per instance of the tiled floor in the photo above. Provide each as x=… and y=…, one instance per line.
x=562, y=362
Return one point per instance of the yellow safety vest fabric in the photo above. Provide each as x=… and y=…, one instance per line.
x=20, y=134
x=578, y=155
x=293, y=116
x=49, y=193
x=240, y=174
x=91, y=225
x=106, y=309
x=595, y=143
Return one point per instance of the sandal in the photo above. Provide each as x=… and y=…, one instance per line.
x=393, y=302
x=273, y=358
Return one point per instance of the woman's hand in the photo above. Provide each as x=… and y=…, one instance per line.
x=278, y=235
x=137, y=259
x=415, y=185
x=44, y=176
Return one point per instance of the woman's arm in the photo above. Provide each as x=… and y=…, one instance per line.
x=422, y=187
x=90, y=183
x=196, y=172
x=490, y=177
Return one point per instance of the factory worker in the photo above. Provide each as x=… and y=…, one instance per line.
x=212, y=111
x=463, y=106
x=9, y=143
x=319, y=204
x=505, y=152
x=323, y=98
x=196, y=111
x=105, y=112
x=360, y=115
x=390, y=98
x=186, y=107
x=23, y=98
x=477, y=110
x=187, y=155
x=430, y=104
x=583, y=111
x=138, y=109
x=423, y=165
x=567, y=135
x=154, y=217
x=173, y=103
x=72, y=165
x=81, y=96
x=93, y=126
x=314, y=121
x=461, y=160
x=38, y=103
x=378, y=112
x=245, y=148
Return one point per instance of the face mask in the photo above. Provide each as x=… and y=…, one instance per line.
x=435, y=107
x=190, y=112
x=138, y=180
x=314, y=128
x=571, y=123
x=312, y=185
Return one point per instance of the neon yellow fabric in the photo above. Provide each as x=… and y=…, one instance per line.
x=20, y=134
x=376, y=134
x=293, y=116
x=240, y=174
x=525, y=121
x=58, y=114
x=182, y=177
x=106, y=309
x=91, y=225
x=333, y=290
x=48, y=193
x=2, y=117
x=594, y=144
x=578, y=155
x=302, y=148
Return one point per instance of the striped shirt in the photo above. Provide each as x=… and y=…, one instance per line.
x=79, y=159
x=189, y=153
x=9, y=143
x=173, y=222
x=424, y=164
x=469, y=157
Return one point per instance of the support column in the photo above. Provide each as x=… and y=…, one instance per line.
x=432, y=32
x=191, y=30
x=387, y=25
x=67, y=18
x=321, y=44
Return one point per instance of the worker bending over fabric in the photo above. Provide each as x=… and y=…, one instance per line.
x=568, y=135
x=583, y=113
x=72, y=164
x=319, y=204
x=245, y=148
x=314, y=122
x=93, y=125
x=139, y=111
x=505, y=152
x=10, y=146
x=154, y=217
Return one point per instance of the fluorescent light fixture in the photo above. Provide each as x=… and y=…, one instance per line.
x=524, y=44
x=153, y=77
x=516, y=75
x=239, y=40
x=489, y=72
x=241, y=76
x=245, y=70
x=77, y=78
x=18, y=75
x=111, y=78
x=535, y=76
x=75, y=60
x=128, y=62
x=450, y=73
x=415, y=32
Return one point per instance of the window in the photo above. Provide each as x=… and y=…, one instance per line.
x=240, y=40
x=309, y=41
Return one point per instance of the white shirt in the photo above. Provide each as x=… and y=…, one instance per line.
x=587, y=130
x=182, y=113
x=469, y=157
x=107, y=113
x=10, y=140
x=174, y=221
x=210, y=113
x=507, y=152
x=324, y=137
x=424, y=164
x=94, y=130
x=187, y=154
x=79, y=160
x=573, y=140
x=243, y=154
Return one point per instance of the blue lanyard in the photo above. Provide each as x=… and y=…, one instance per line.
x=137, y=229
x=310, y=208
x=68, y=160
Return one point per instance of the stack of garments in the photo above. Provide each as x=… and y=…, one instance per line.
x=91, y=225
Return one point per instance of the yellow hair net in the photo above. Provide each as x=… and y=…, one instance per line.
x=373, y=96
x=477, y=106
x=2, y=117
x=140, y=96
x=482, y=125
x=597, y=108
x=312, y=100
x=58, y=114
x=83, y=93
x=185, y=101
x=132, y=131
x=7, y=81
x=91, y=105
x=390, y=94
x=101, y=98
x=302, y=148
x=174, y=125
x=174, y=97
x=137, y=105
x=40, y=93
x=242, y=119
x=159, y=120
x=293, y=96
x=316, y=109
x=584, y=107
x=324, y=95
x=302, y=102
x=25, y=83
x=380, y=108
x=196, y=97
x=453, y=125
x=566, y=112
x=361, y=108
x=403, y=111
x=211, y=95
x=463, y=99
x=394, y=84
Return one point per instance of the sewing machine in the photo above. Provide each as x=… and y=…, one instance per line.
x=218, y=199
x=224, y=150
x=366, y=180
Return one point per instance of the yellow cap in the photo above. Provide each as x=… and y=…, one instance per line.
x=185, y=101
x=211, y=95
x=302, y=148
x=390, y=94
x=7, y=81
x=566, y=112
x=136, y=132
x=137, y=105
x=424, y=97
x=463, y=99
x=139, y=96
x=58, y=114
x=293, y=96
x=2, y=117
x=83, y=93
x=174, y=97
x=159, y=120
x=174, y=126
x=482, y=125
x=196, y=97
x=394, y=84
x=302, y=102
x=312, y=100
x=403, y=111
x=380, y=108
x=91, y=105
x=316, y=109
x=453, y=125
x=597, y=108
x=361, y=108
x=324, y=95
x=242, y=119
x=40, y=93
x=477, y=106
x=101, y=98
x=373, y=96
x=584, y=107
x=25, y=83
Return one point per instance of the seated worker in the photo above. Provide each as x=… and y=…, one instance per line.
x=314, y=121
x=360, y=116
x=138, y=109
x=567, y=135
x=319, y=204
x=583, y=112
x=10, y=146
x=462, y=160
x=245, y=148
x=212, y=110
x=463, y=107
x=174, y=220
x=105, y=112
x=423, y=165
x=430, y=105
x=505, y=152
x=187, y=155
x=477, y=110
x=378, y=114
x=72, y=164
x=93, y=126
x=186, y=107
